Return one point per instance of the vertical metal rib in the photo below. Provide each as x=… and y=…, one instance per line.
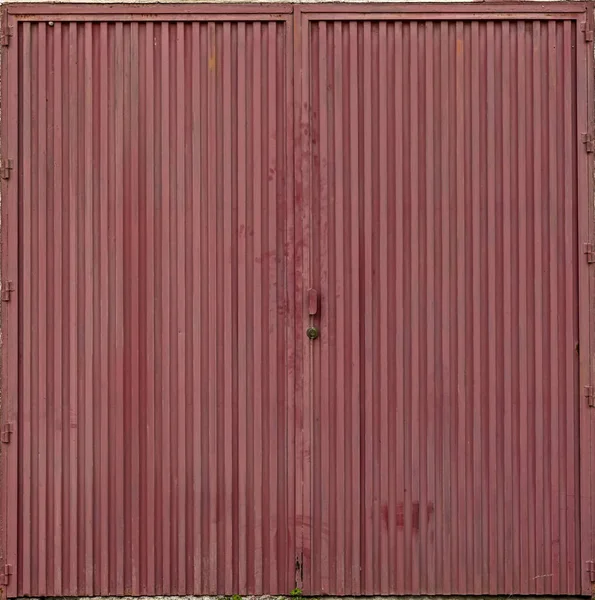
x=570, y=243
x=89, y=302
x=381, y=224
x=243, y=317
x=57, y=352
x=42, y=287
x=74, y=356
x=25, y=548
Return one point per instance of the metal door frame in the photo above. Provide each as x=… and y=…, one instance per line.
x=9, y=353
x=586, y=314
x=298, y=232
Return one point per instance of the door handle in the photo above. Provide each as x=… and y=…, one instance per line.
x=312, y=302
x=312, y=331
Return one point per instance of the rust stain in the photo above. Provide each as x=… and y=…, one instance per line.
x=430, y=511
x=415, y=516
x=384, y=513
x=400, y=515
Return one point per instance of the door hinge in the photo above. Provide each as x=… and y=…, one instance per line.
x=590, y=396
x=5, y=168
x=5, y=35
x=5, y=30
x=7, y=431
x=587, y=31
x=7, y=288
x=591, y=570
x=5, y=574
x=589, y=142
x=589, y=251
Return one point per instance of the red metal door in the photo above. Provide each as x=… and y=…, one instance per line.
x=164, y=432
x=151, y=159
x=445, y=187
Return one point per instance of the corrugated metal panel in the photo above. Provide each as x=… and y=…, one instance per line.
x=443, y=434
x=156, y=385
x=155, y=446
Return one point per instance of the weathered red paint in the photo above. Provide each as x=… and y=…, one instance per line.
x=172, y=435
x=154, y=452
x=444, y=219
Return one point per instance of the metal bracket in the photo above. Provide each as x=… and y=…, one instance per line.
x=587, y=31
x=7, y=431
x=590, y=396
x=591, y=570
x=589, y=251
x=5, y=168
x=5, y=30
x=5, y=35
x=589, y=142
x=5, y=574
x=7, y=288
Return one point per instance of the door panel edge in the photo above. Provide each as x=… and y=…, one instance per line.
x=9, y=309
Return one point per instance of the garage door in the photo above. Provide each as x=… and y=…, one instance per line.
x=296, y=297
x=153, y=345
x=440, y=167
